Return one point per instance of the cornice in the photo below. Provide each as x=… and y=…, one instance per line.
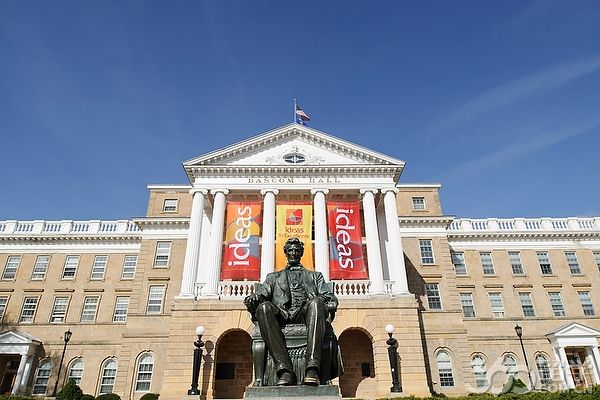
x=71, y=238
x=173, y=223
x=524, y=235
x=419, y=222
x=253, y=170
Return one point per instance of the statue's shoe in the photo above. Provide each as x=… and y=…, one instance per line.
x=311, y=378
x=286, y=379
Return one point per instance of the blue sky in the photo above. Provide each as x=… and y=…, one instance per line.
x=496, y=100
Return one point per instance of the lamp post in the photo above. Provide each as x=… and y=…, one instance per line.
x=197, y=359
x=393, y=355
x=66, y=338
x=519, y=332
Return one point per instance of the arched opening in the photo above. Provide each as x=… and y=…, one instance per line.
x=359, y=367
x=233, y=366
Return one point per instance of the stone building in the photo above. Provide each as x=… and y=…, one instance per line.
x=133, y=291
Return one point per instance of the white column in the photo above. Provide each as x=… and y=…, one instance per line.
x=267, y=255
x=321, y=248
x=594, y=356
x=192, y=249
x=395, y=252
x=373, y=251
x=215, y=250
x=564, y=365
x=20, y=372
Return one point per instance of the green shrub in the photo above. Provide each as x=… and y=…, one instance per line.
x=70, y=391
x=108, y=396
x=150, y=396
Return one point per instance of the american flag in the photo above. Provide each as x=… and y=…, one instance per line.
x=301, y=116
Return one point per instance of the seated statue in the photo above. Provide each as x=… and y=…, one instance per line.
x=295, y=295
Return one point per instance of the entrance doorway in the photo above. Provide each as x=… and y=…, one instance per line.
x=8, y=376
x=359, y=367
x=233, y=365
x=580, y=372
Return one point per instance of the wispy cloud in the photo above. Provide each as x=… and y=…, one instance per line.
x=517, y=90
x=515, y=150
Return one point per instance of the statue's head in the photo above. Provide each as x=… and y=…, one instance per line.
x=294, y=250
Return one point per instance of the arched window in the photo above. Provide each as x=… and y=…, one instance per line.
x=76, y=371
x=109, y=374
x=144, y=373
x=42, y=375
x=510, y=365
x=444, y=364
x=543, y=369
x=479, y=371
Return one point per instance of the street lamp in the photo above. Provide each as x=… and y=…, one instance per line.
x=519, y=332
x=197, y=359
x=66, y=338
x=393, y=355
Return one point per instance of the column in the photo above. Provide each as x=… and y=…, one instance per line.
x=373, y=251
x=192, y=249
x=211, y=288
x=321, y=248
x=564, y=365
x=594, y=356
x=267, y=255
x=395, y=252
x=20, y=371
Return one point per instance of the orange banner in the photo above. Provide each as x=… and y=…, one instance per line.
x=345, y=241
x=241, y=258
x=294, y=219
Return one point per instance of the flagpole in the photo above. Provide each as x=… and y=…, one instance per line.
x=294, y=114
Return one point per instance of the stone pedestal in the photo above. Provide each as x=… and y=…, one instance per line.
x=322, y=392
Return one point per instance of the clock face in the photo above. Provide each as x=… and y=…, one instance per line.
x=294, y=158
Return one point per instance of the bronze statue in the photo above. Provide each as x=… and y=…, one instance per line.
x=293, y=295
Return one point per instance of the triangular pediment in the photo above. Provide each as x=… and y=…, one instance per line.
x=574, y=329
x=11, y=337
x=293, y=146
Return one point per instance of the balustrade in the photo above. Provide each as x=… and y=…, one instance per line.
x=523, y=224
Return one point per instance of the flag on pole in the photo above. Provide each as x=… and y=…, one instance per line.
x=301, y=116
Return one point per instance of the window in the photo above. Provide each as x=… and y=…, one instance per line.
x=129, y=265
x=458, y=259
x=3, y=303
x=42, y=376
x=59, y=309
x=527, y=304
x=432, y=290
x=40, y=268
x=444, y=364
x=121, y=307
x=70, y=269
x=543, y=369
x=10, y=269
x=76, y=371
x=170, y=206
x=557, y=305
x=144, y=373
x=487, y=264
x=163, y=249
x=418, y=203
x=479, y=371
x=155, y=299
x=426, y=248
x=573, y=263
x=496, y=304
x=597, y=258
x=515, y=262
x=586, y=303
x=109, y=373
x=28, y=311
x=99, y=267
x=544, y=261
x=466, y=302
x=510, y=365
x=90, y=306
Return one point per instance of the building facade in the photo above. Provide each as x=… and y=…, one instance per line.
x=133, y=291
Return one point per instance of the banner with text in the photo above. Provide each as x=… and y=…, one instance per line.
x=294, y=219
x=241, y=258
x=346, y=259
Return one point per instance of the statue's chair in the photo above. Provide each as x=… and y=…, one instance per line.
x=296, y=338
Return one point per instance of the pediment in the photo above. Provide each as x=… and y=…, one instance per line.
x=293, y=146
x=574, y=329
x=15, y=338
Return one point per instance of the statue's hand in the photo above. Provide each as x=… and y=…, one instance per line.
x=251, y=302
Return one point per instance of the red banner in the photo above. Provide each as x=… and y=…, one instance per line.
x=345, y=241
x=241, y=258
